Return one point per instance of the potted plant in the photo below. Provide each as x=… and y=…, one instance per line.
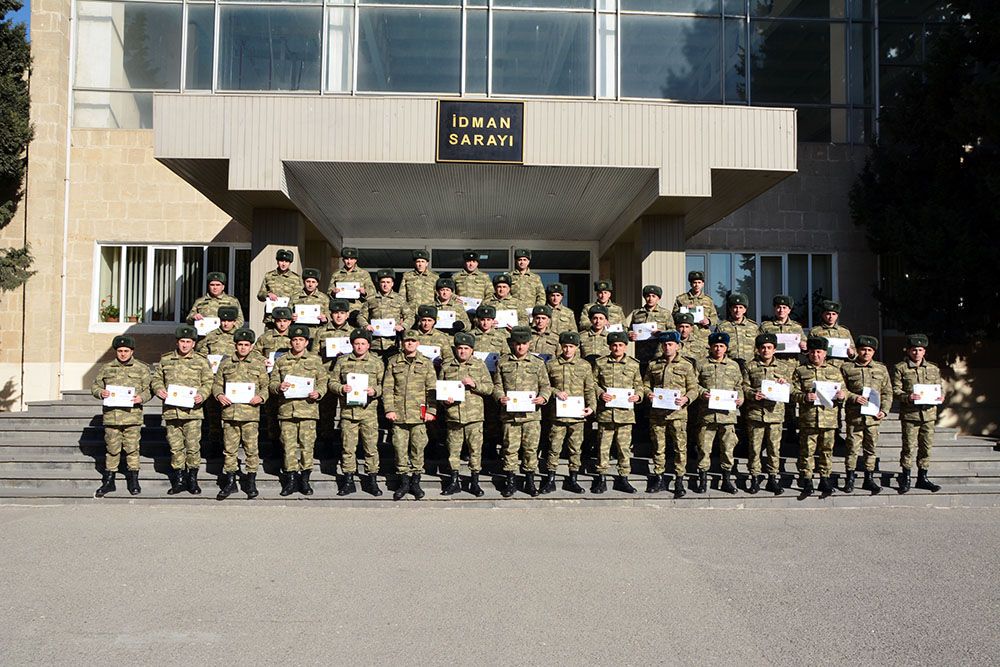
x=109, y=311
x=135, y=317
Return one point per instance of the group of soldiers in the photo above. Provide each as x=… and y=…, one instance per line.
x=472, y=362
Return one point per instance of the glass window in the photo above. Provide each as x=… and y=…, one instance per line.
x=476, y=51
x=862, y=57
x=126, y=45
x=450, y=3
x=133, y=303
x=192, y=280
x=543, y=53
x=567, y=260
x=109, y=281
x=270, y=48
x=200, y=47
x=745, y=278
x=239, y=282
x=807, y=9
x=929, y=10
x=822, y=279
x=719, y=278
x=737, y=7
x=770, y=283
x=899, y=43
x=163, y=306
x=693, y=263
x=735, y=49
x=797, y=62
x=95, y=108
x=385, y=258
x=493, y=260
x=671, y=57
x=410, y=50
x=340, y=39
x=798, y=287
x=681, y=6
x=607, y=56
x=546, y=4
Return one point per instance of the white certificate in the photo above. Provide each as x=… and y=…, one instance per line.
x=348, y=290
x=432, y=352
x=336, y=346
x=180, y=396
x=666, y=399
x=571, y=408
x=358, y=395
x=528, y=311
x=644, y=330
x=520, y=401
x=271, y=304
x=470, y=303
x=775, y=391
x=506, y=318
x=930, y=394
x=788, y=343
x=120, y=397
x=453, y=389
x=874, y=405
x=299, y=387
x=698, y=312
x=307, y=313
x=614, y=327
x=384, y=328
x=271, y=358
x=240, y=392
x=215, y=360
x=838, y=347
x=722, y=399
x=619, y=397
x=445, y=319
x=206, y=325
x=825, y=392
x=488, y=358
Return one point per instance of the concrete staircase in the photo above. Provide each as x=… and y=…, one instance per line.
x=55, y=450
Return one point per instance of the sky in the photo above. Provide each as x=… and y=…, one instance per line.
x=23, y=15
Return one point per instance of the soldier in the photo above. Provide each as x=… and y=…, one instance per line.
x=616, y=370
x=385, y=305
x=240, y=415
x=594, y=341
x=862, y=429
x=337, y=327
x=297, y=414
x=184, y=370
x=490, y=341
x=271, y=345
x=570, y=375
x=310, y=295
x=350, y=272
x=524, y=374
x=817, y=414
x=782, y=323
x=670, y=371
x=830, y=328
x=358, y=410
x=501, y=299
x=690, y=301
x=562, y=317
x=765, y=415
x=525, y=285
x=432, y=337
x=464, y=419
x=693, y=347
x=122, y=424
x=649, y=313
x=445, y=299
x=220, y=341
x=208, y=305
x=543, y=341
x=406, y=397
x=719, y=372
x=418, y=284
x=602, y=297
x=741, y=329
x=470, y=281
x=917, y=419
x=281, y=282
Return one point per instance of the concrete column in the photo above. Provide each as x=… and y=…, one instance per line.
x=273, y=229
x=625, y=274
x=661, y=255
x=318, y=254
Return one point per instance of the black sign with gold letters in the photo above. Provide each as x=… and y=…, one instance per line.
x=480, y=131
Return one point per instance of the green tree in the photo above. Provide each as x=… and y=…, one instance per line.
x=15, y=133
x=928, y=197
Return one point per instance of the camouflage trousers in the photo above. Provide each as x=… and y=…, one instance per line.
x=767, y=435
x=920, y=434
x=235, y=433
x=461, y=434
x=707, y=435
x=365, y=430
x=570, y=434
x=298, y=437
x=409, y=441
x=521, y=437
x=673, y=431
x=184, y=438
x=118, y=438
x=861, y=437
x=818, y=441
x=621, y=436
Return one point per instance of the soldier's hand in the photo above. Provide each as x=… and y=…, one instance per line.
x=802, y=344
x=284, y=386
x=450, y=401
x=704, y=322
x=840, y=395
x=398, y=327
x=105, y=393
x=782, y=381
x=632, y=335
x=681, y=401
x=759, y=396
x=606, y=397
x=346, y=389
x=881, y=415
x=503, y=400
x=371, y=391
x=634, y=398
x=136, y=400
x=369, y=327
x=562, y=395
x=256, y=400
x=538, y=400
x=811, y=397
x=707, y=395
x=861, y=400
x=322, y=318
x=223, y=400
x=162, y=394
x=361, y=290
x=914, y=398
x=739, y=401
x=313, y=395
x=198, y=400
x=429, y=417
x=198, y=316
x=271, y=296
x=469, y=382
x=391, y=416
x=587, y=412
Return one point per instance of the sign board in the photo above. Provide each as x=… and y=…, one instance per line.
x=480, y=131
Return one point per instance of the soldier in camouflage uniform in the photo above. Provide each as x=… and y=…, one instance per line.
x=358, y=416
x=122, y=426
x=830, y=328
x=525, y=285
x=470, y=281
x=862, y=430
x=520, y=371
x=717, y=371
x=562, y=317
x=782, y=323
x=569, y=375
x=337, y=327
x=502, y=299
x=279, y=282
x=418, y=285
x=817, y=423
x=297, y=417
x=649, y=313
x=428, y=335
x=185, y=367
x=670, y=371
x=694, y=345
x=543, y=341
x=602, y=294
x=687, y=301
x=594, y=341
x=274, y=342
x=764, y=416
x=917, y=420
x=741, y=329
x=616, y=370
x=215, y=298
x=350, y=272
x=490, y=341
x=445, y=299
x=310, y=295
x=240, y=421
x=464, y=420
x=219, y=342
x=406, y=396
x=385, y=304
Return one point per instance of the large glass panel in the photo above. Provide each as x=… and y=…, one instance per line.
x=745, y=278
x=735, y=50
x=128, y=45
x=218, y=260
x=546, y=4
x=892, y=80
x=822, y=280
x=797, y=62
x=694, y=263
x=385, y=258
x=929, y=10
x=450, y=3
x=900, y=43
x=240, y=280
x=496, y=259
x=476, y=51
x=681, y=6
x=340, y=38
x=735, y=7
x=607, y=55
x=577, y=291
x=108, y=284
x=797, y=8
x=94, y=108
x=192, y=277
x=543, y=53
x=671, y=57
x=770, y=283
x=798, y=287
x=270, y=48
x=200, y=47
x=134, y=302
x=719, y=279
x=567, y=260
x=862, y=57
x=410, y=50
x=164, y=285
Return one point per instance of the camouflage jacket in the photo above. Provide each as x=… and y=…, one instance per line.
x=317, y=298
x=905, y=374
x=306, y=365
x=615, y=315
x=527, y=289
x=724, y=374
x=249, y=369
x=765, y=411
x=814, y=416
x=476, y=285
x=594, y=344
x=462, y=321
x=544, y=343
x=741, y=338
x=647, y=350
x=472, y=408
x=133, y=374
x=408, y=387
x=623, y=373
x=369, y=365
x=389, y=306
x=208, y=306
x=318, y=343
x=356, y=275
x=217, y=342
x=687, y=300
x=190, y=371
x=876, y=377
x=440, y=339
x=271, y=341
x=418, y=288
x=676, y=374
x=836, y=331
x=507, y=303
x=525, y=374
x=575, y=377
x=286, y=284
x=562, y=320
x=494, y=340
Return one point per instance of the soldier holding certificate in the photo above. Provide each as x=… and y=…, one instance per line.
x=916, y=384
x=572, y=379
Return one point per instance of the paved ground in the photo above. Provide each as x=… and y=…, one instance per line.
x=153, y=584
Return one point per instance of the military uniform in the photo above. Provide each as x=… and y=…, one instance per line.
x=355, y=275
x=317, y=298
x=594, y=344
x=297, y=417
x=122, y=426
x=521, y=430
x=575, y=377
x=687, y=301
x=183, y=425
x=817, y=424
x=240, y=421
x=286, y=285
x=462, y=322
x=835, y=331
x=765, y=417
x=358, y=421
x=526, y=289
x=718, y=374
x=272, y=342
x=332, y=330
x=494, y=340
x=440, y=339
x=418, y=288
x=474, y=284
x=741, y=337
x=208, y=306
x=862, y=430
x=790, y=360
x=464, y=420
x=216, y=342
x=506, y=303
x=562, y=319
x=917, y=421
x=544, y=342
x=615, y=315
x=671, y=425
x=407, y=391
x=615, y=424
x=647, y=350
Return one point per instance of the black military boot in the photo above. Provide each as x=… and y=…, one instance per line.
x=373, y=487
x=348, y=487
x=774, y=485
x=508, y=485
x=825, y=486
x=924, y=483
x=177, y=483
x=227, y=485
x=599, y=485
x=132, y=482
x=571, y=484
x=454, y=486
x=415, y=489
x=107, y=483
x=904, y=480
x=290, y=483
x=192, y=482
x=702, y=482
x=529, y=484
x=654, y=483
x=621, y=484
x=304, y=488
x=403, y=488
x=849, y=478
x=806, y=484
x=727, y=485
x=870, y=484
x=474, y=487
x=549, y=485
x=250, y=485
x=679, y=491
x=754, y=486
